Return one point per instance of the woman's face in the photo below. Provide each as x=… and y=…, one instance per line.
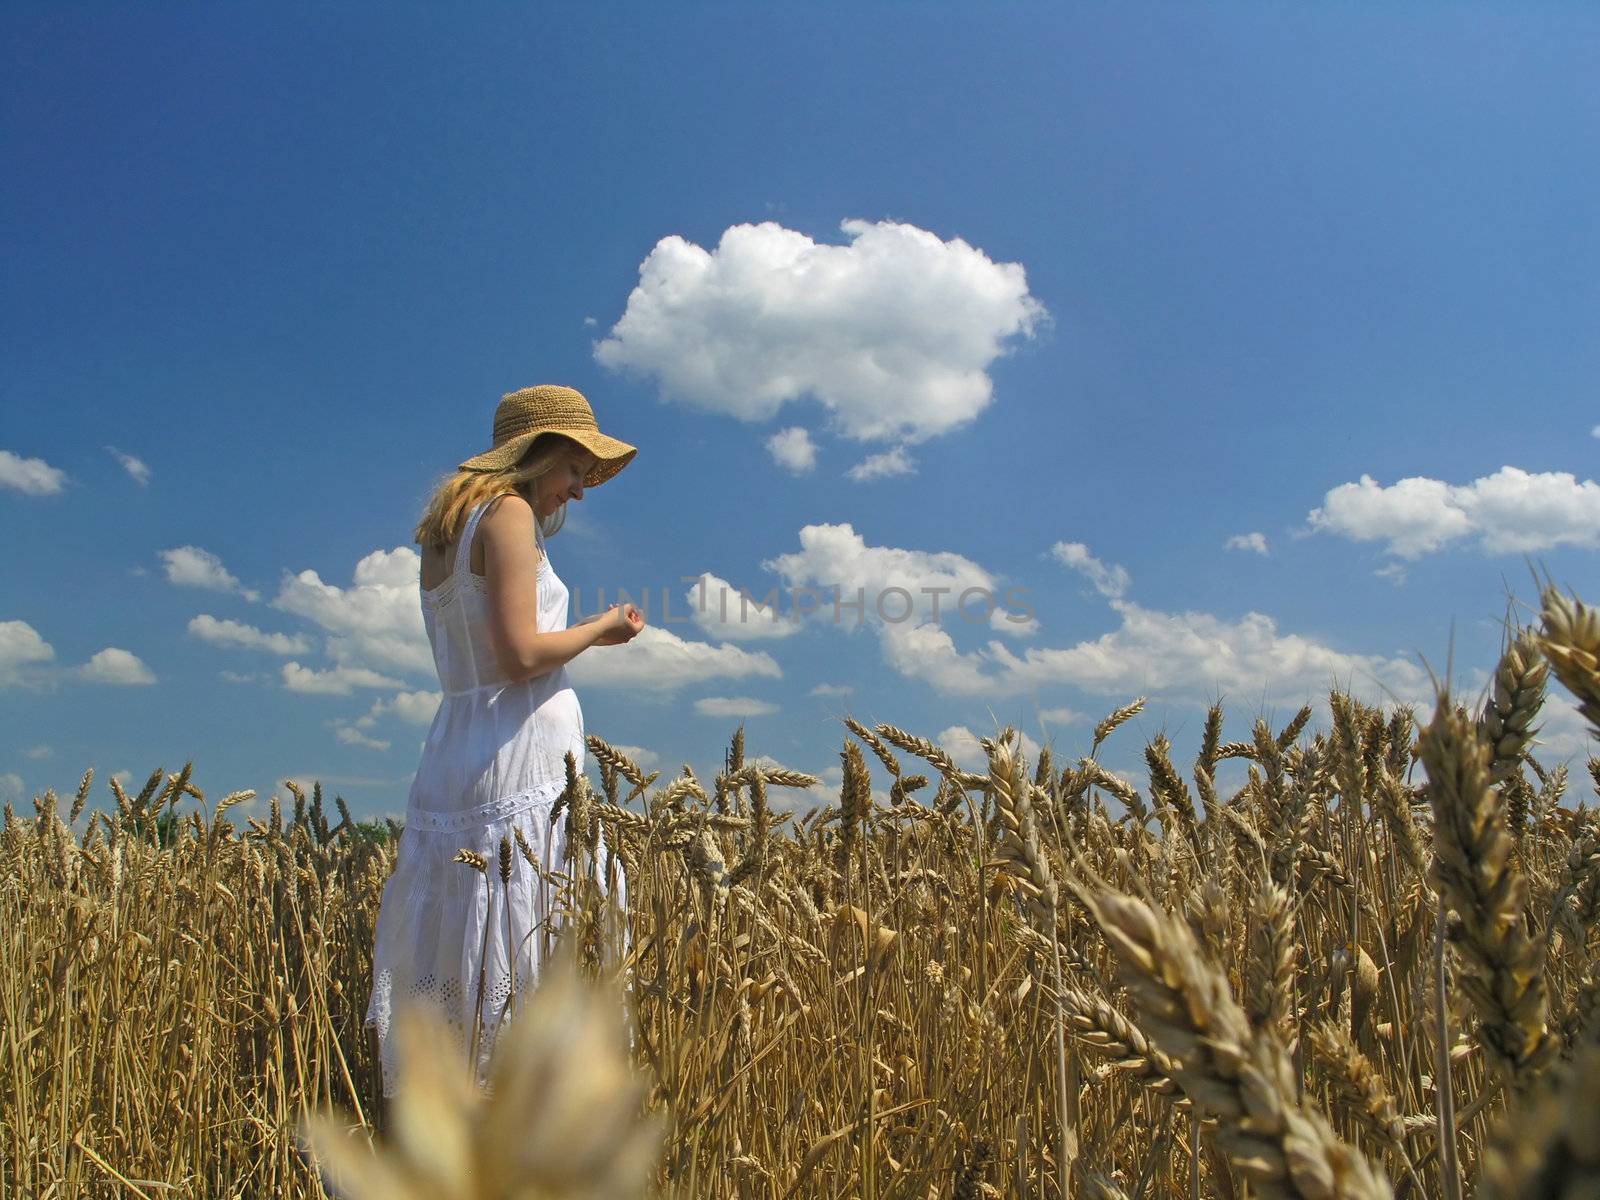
x=564, y=481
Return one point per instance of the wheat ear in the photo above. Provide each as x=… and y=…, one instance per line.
x=1474, y=873
x=1242, y=1079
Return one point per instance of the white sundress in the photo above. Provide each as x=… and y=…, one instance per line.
x=494, y=761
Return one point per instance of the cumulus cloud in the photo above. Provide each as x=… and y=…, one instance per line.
x=237, y=634
x=1563, y=731
x=30, y=476
x=1194, y=655
x=351, y=736
x=136, y=468
x=376, y=623
x=793, y=450
x=832, y=689
x=414, y=708
x=116, y=666
x=1182, y=656
x=37, y=752
x=1256, y=543
x=1510, y=512
x=725, y=611
x=1595, y=432
x=238, y=677
x=908, y=586
x=1111, y=581
x=893, y=332
x=734, y=706
x=907, y=596
x=1060, y=716
x=340, y=681
x=1014, y=623
x=11, y=787
x=1188, y=656
x=883, y=466
x=658, y=660
x=190, y=566
x=21, y=649
x=928, y=652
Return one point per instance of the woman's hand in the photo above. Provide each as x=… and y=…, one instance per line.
x=621, y=623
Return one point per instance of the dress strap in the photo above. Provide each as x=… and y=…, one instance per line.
x=463, y=564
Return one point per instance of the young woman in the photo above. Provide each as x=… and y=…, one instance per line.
x=494, y=760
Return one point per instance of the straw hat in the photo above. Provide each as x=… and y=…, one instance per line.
x=523, y=415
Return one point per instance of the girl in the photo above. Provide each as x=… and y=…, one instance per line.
x=494, y=760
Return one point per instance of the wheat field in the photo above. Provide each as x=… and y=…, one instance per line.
x=1368, y=970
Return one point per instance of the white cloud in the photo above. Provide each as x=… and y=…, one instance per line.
x=238, y=677
x=963, y=746
x=38, y=752
x=1394, y=572
x=21, y=647
x=1014, y=622
x=793, y=450
x=354, y=737
x=1256, y=543
x=414, y=708
x=832, y=689
x=725, y=611
x=30, y=476
x=11, y=790
x=1595, y=432
x=190, y=566
x=136, y=468
x=927, y=652
x=124, y=777
x=340, y=681
x=912, y=585
x=883, y=466
x=1563, y=732
x=113, y=665
x=659, y=661
x=1511, y=511
x=237, y=634
x=734, y=706
x=907, y=596
x=377, y=622
x=1060, y=716
x=1110, y=581
x=893, y=333
x=1190, y=656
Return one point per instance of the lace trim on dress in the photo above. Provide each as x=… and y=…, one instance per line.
x=429, y=821
x=451, y=587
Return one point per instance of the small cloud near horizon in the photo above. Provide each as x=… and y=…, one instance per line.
x=136, y=467
x=30, y=476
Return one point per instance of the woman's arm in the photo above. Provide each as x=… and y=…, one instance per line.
x=511, y=573
x=611, y=637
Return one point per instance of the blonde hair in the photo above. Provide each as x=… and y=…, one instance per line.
x=457, y=494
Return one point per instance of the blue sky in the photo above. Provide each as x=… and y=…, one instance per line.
x=1063, y=300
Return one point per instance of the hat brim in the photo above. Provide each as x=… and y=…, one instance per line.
x=612, y=453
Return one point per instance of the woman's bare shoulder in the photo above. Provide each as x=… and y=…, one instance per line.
x=508, y=528
x=509, y=512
